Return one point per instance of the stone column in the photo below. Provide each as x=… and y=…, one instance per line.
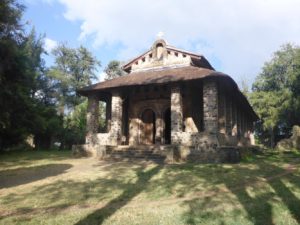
x=222, y=112
x=239, y=130
x=176, y=114
x=242, y=124
x=228, y=115
x=116, y=119
x=92, y=120
x=234, y=119
x=210, y=106
x=159, y=129
x=108, y=115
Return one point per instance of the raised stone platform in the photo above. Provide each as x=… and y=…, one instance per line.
x=162, y=153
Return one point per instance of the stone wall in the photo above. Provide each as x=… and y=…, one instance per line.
x=92, y=122
x=221, y=111
x=116, y=119
x=210, y=106
x=176, y=113
x=199, y=140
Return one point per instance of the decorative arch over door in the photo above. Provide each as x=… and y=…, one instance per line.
x=148, y=128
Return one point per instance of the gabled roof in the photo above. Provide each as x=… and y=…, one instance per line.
x=170, y=56
x=164, y=64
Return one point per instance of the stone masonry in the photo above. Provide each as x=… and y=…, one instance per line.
x=189, y=105
x=210, y=106
x=116, y=119
x=92, y=122
x=176, y=114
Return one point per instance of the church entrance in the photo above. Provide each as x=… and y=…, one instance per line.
x=148, y=127
x=167, y=128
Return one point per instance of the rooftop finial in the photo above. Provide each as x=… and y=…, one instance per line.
x=160, y=35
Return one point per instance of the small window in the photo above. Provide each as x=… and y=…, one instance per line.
x=184, y=55
x=143, y=59
x=150, y=55
x=176, y=54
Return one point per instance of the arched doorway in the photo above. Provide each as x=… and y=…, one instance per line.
x=148, y=128
x=167, y=128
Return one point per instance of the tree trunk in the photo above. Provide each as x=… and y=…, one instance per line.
x=272, y=142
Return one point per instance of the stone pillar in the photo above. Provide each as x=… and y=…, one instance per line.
x=116, y=119
x=222, y=112
x=239, y=130
x=242, y=124
x=159, y=129
x=210, y=106
x=234, y=119
x=108, y=115
x=176, y=114
x=228, y=115
x=92, y=120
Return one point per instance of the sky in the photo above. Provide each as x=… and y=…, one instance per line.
x=236, y=36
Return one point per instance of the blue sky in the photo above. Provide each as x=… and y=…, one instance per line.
x=236, y=36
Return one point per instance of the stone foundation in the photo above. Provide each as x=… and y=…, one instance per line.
x=170, y=153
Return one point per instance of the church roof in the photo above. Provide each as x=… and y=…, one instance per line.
x=164, y=64
x=159, y=76
x=165, y=76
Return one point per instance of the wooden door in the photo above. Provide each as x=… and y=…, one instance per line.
x=148, y=131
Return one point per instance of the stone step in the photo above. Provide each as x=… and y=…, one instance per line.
x=127, y=153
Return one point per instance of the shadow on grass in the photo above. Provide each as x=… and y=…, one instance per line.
x=15, y=177
x=258, y=204
x=17, y=158
x=132, y=190
x=122, y=183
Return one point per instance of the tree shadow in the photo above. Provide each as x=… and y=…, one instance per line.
x=16, y=177
x=258, y=201
x=287, y=196
x=132, y=190
x=23, y=158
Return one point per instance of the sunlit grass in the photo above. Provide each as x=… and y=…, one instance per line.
x=51, y=187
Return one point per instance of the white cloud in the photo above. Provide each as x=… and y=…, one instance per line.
x=49, y=44
x=241, y=34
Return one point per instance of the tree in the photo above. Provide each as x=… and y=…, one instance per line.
x=18, y=65
x=114, y=70
x=275, y=94
x=74, y=69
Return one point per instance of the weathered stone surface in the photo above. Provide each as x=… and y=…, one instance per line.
x=176, y=111
x=222, y=111
x=228, y=109
x=92, y=117
x=116, y=119
x=97, y=151
x=86, y=150
x=210, y=106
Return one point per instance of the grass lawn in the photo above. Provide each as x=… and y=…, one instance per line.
x=51, y=187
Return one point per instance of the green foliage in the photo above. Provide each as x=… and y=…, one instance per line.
x=73, y=69
x=276, y=91
x=19, y=65
x=75, y=126
x=114, y=70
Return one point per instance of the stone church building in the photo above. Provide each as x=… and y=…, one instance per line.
x=170, y=97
